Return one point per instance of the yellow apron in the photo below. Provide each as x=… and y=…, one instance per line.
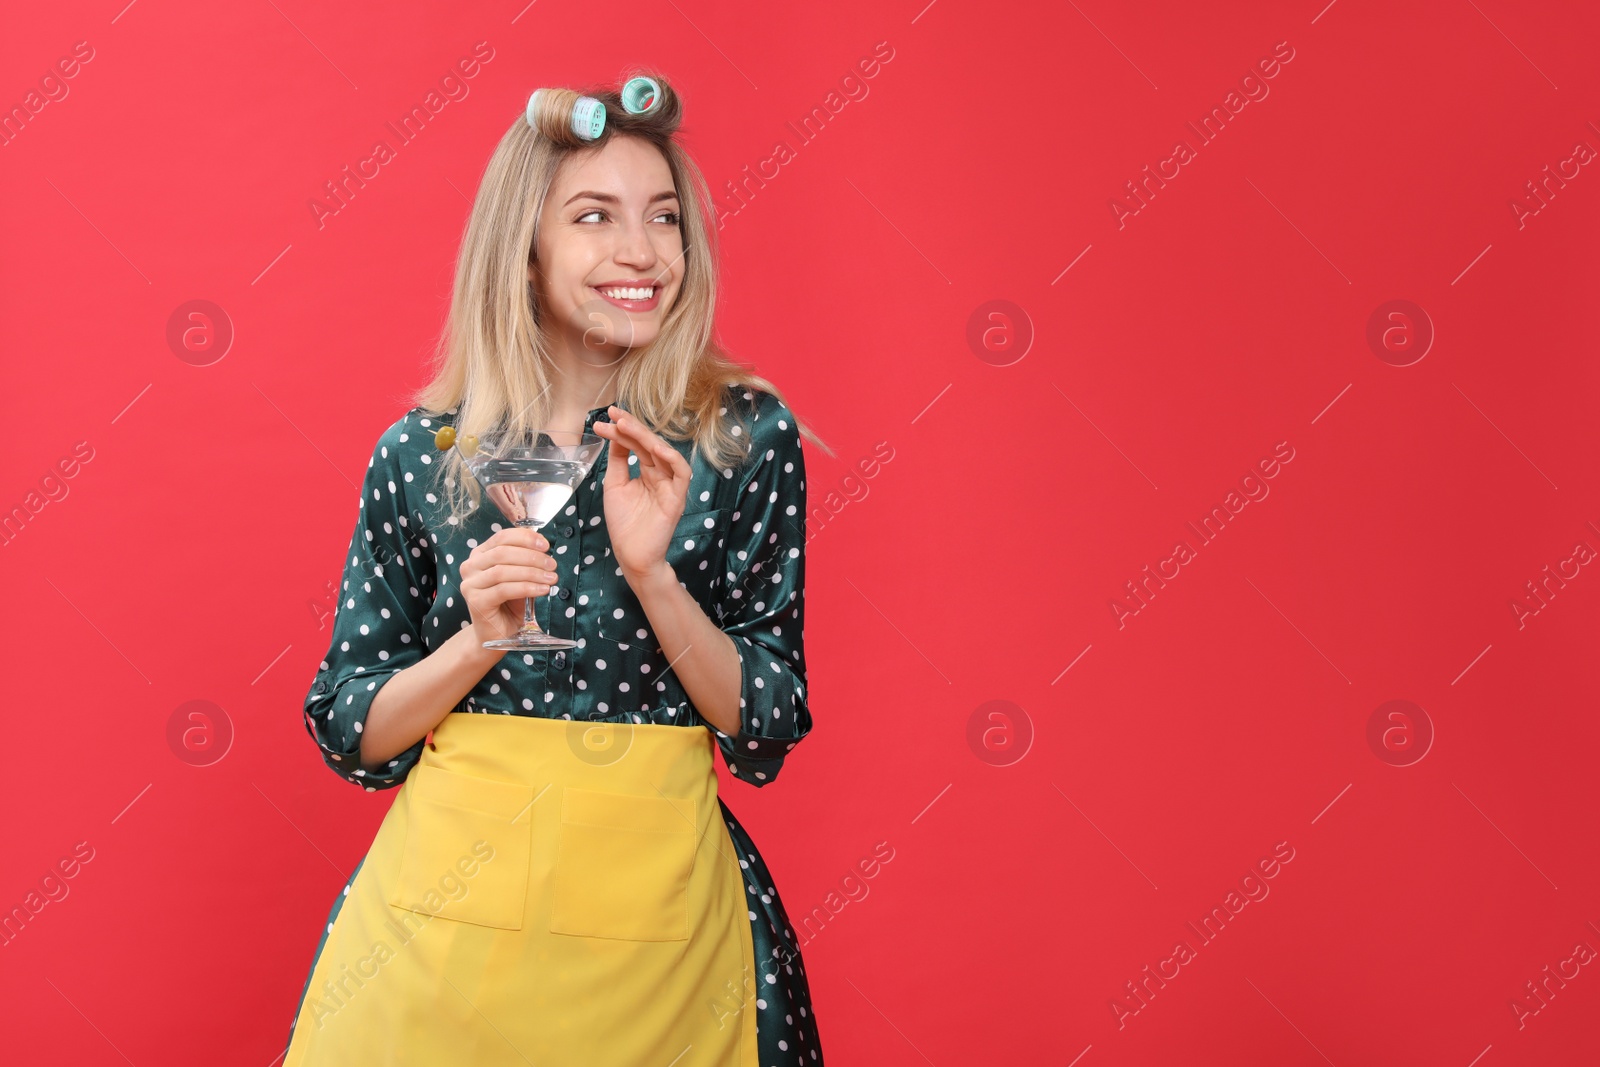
x=547, y=892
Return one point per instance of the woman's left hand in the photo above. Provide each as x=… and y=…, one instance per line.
x=641, y=512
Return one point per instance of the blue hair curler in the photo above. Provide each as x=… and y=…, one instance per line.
x=641, y=95
x=588, y=115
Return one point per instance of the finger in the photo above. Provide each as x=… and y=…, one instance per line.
x=652, y=450
x=647, y=441
x=481, y=562
x=673, y=473
x=479, y=575
x=628, y=425
x=634, y=448
x=512, y=572
x=616, y=456
x=514, y=588
x=520, y=591
x=657, y=459
x=510, y=588
x=679, y=466
x=530, y=537
x=517, y=554
x=515, y=536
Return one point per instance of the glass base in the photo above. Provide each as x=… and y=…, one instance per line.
x=524, y=639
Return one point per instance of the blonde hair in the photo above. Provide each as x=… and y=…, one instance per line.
x=492, y=363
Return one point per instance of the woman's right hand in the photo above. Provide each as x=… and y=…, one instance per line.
x=500, y=574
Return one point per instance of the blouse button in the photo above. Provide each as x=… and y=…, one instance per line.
x=565, y=594
x=322, y=687
x=560, y=658
x=566, y=531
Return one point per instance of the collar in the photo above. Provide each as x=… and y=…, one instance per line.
x=600, y=413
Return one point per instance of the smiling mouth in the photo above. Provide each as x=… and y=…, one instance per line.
x=630, y=298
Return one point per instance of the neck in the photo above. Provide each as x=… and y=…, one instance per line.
x=585, y=378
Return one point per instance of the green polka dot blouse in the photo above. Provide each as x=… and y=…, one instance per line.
x=739, y=549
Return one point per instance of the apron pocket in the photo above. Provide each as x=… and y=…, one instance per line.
x=467, y=848
x=622, y=866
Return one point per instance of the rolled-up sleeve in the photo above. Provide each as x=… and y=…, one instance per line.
x=377, y=629
x=762, y=603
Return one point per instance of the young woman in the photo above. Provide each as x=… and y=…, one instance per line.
x=557, y=880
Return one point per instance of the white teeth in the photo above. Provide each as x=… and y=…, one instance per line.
x=629, y=294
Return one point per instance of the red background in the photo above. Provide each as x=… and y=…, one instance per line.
x=188, y=558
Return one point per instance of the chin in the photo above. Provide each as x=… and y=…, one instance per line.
x=636, y=339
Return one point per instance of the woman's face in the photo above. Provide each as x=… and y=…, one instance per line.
x=609, y=259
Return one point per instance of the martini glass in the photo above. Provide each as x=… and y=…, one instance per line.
x=530, y=475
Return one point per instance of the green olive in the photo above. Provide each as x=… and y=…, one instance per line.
x=445, y=437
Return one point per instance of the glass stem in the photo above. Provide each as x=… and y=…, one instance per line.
x=530, y=624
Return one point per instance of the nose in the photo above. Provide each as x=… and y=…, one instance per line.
x=634, y=246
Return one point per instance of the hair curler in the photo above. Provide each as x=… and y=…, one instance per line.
x=641, y=95
x=588, y=115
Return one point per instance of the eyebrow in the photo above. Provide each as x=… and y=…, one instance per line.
x=607, y=198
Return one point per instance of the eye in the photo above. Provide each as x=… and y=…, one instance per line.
x=672, y=218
